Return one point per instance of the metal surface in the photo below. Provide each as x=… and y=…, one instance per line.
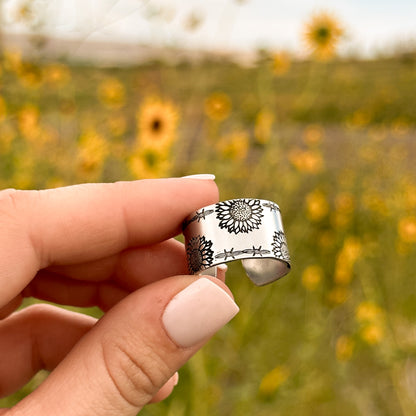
x=244, y=229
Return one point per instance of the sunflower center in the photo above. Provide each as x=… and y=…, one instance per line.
x=156, y=125
x=150, y=158
x=240, y=211
x=322, y=34
x=196, y=259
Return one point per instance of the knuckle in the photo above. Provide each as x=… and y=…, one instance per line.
x=9, y=202
x=12, y=198
x=137, y=378
x=14, y=204
x=17, y=212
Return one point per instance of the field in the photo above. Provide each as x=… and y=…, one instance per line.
x=333, y=143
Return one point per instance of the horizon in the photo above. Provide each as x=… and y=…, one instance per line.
x=225, y=26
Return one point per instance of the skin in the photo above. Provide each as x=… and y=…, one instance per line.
x=109, y=245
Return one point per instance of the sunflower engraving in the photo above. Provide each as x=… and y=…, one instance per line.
x=200, y=255
x=280, y=248
x=239, y=215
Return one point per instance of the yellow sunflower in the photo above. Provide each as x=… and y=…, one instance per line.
x=57, y=74
x=148, y=163
x=30, y=75
x=112, y=93
x=28, y=122
x=322, y=34
x=157, y=122
x=218, y=106
x=12, y=59
x=344, y=348
x=317, y=206
x=234, y=145
x=407, y=229
x=263, y=126
x=93, y=150
x=273, y=380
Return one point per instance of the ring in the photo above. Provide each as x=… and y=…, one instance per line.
x=245, y=229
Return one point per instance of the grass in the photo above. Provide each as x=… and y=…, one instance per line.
x=336, y=336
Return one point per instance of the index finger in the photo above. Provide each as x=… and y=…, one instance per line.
x=87, y=222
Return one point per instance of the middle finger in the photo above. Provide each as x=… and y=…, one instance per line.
x=132, y=268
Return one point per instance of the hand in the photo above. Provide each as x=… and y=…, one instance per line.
x=109, y=245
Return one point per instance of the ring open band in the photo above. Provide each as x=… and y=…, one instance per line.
x=244, y=229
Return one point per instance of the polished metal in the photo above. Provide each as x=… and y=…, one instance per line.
x=245, y=229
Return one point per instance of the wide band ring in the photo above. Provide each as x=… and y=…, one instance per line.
x=244, y=229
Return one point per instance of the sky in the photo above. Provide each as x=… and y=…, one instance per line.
x=371, y=26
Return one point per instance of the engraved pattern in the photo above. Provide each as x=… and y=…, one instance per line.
x=199, y=253
x=199, y=215
x=272, y=206
x=280, y=248
x=239, y=215
x=237, y=218
x=229, y=254
x=256, y=251
x=232, y=254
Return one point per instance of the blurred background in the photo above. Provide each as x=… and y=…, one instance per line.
x=311, y=105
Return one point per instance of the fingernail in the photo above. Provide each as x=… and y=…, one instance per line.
x=202, y=176
x=221, y=271
x=198, y=312
x=175, y=379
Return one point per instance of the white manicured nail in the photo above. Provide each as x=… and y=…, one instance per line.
x=223, y=267
x=175, y=379
x=202, y=176
x=221, y=271
x=198, y=312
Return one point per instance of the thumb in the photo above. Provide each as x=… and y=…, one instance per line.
x=134, y=350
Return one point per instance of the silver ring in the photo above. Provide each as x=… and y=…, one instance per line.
x=244, y=229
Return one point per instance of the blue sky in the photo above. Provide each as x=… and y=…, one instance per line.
x=225, y=24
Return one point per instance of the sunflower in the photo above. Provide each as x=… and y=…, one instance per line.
x=28, y=121
x=322, y=34
x=111, y=93
x=199, y=253
x=234, y=145
x=317, y=206
x=157, y=122
x=148, y=163
x=239, y=215
x=263, y=126
x=56, y=74
x=218, y=106
x=30, y=75
x=12, y=60
x=272, y=381
x=93, y=150
x=280, y=248
x=308, y=161
x=407, y=229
